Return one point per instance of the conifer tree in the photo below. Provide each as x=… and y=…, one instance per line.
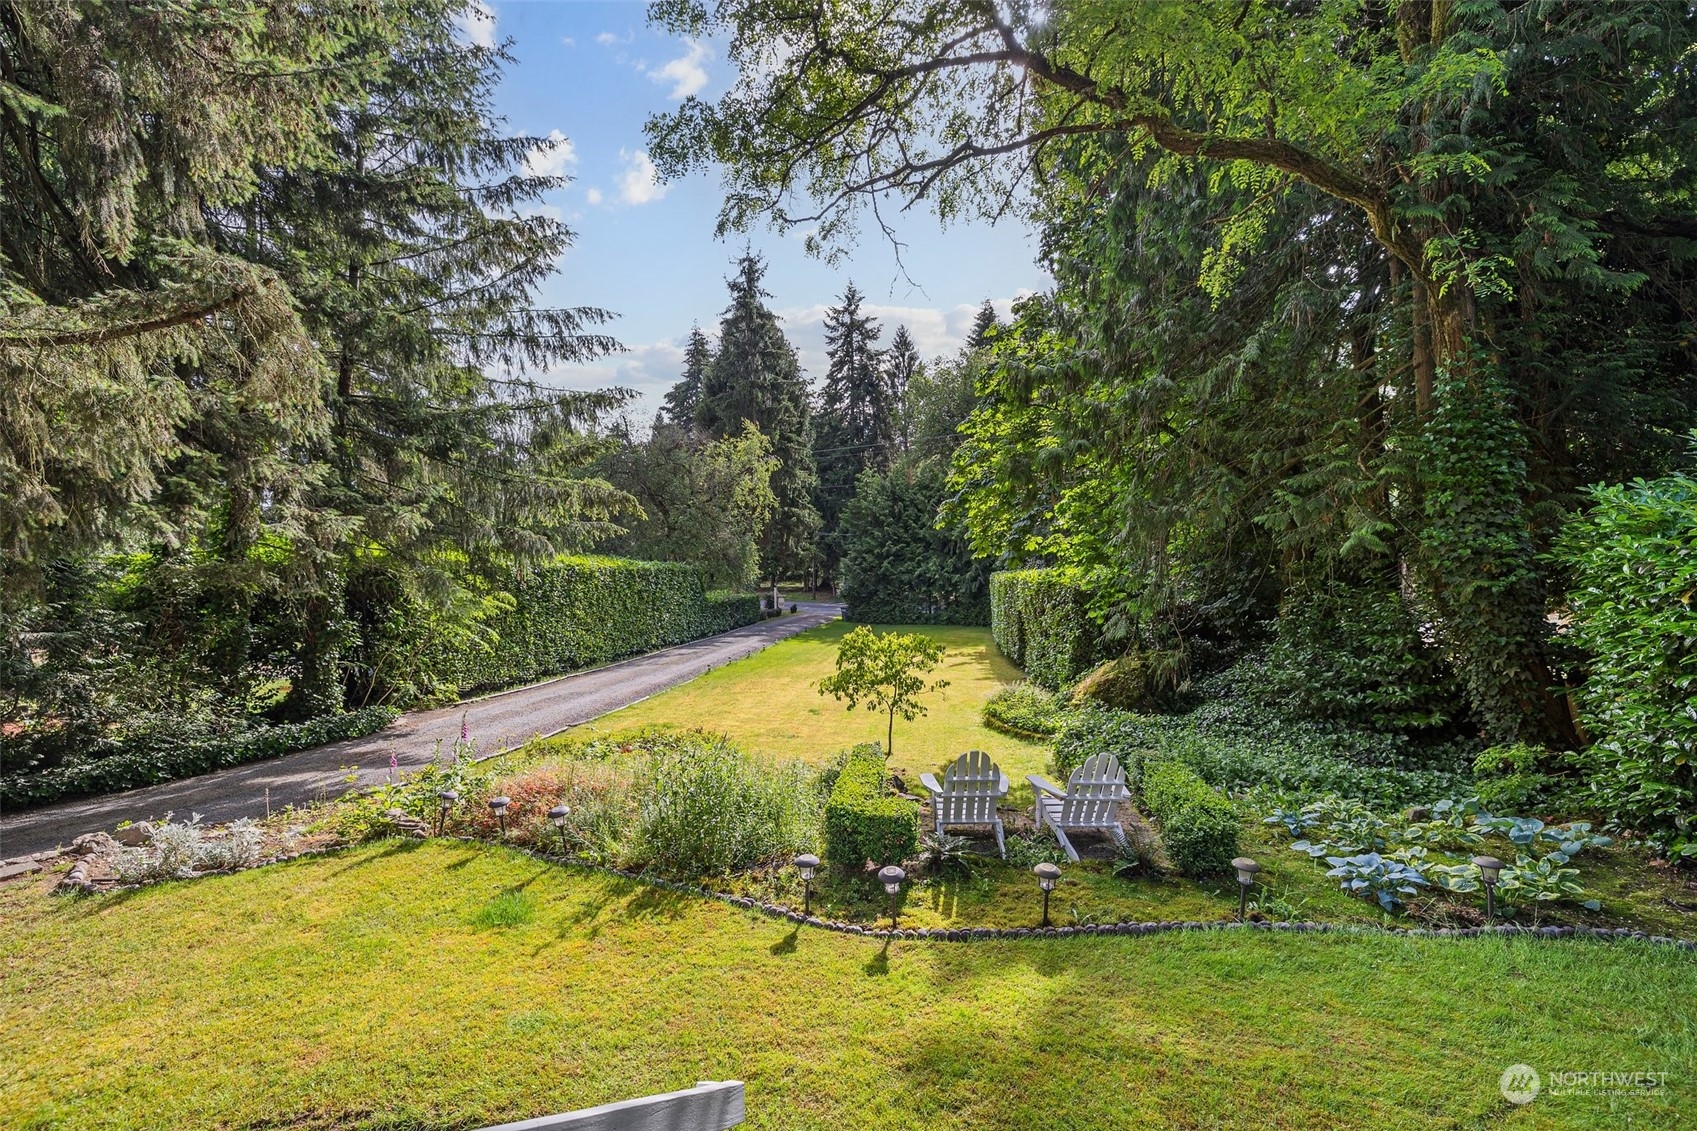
x=901, y=365
x=683, y=400
x=855, y=427
x=755, y=377
x=983, y=323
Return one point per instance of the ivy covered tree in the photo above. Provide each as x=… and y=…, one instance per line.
x=1492, y=194
x=755, y=377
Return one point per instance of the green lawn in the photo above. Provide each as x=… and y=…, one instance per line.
x=426, y=985
x=768, y=705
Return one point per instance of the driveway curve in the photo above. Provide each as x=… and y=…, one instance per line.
x=495, y=722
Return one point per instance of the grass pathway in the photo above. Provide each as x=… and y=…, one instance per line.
x=379, y=988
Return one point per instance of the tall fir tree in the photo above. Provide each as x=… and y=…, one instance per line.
x=855, y=425
x=683, y=400
x=901, y=365
x=755, y=377
x=984, y=323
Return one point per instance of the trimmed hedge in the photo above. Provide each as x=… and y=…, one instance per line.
x=152, y=761
x=583, y=611
x=1039, y=621
x=1199, y=826
x=862, y=821
x=1024, y=711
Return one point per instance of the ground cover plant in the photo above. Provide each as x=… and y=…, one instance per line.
x=451, y=984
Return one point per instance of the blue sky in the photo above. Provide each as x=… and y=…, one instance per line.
x=592, y=73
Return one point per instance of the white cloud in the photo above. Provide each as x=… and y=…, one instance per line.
x=551, y=157
x=477, y=24
x=568, y=41
x=608, y=39
x=593, y=195
x=650, y=368
x=685, y=73
x=639, y=183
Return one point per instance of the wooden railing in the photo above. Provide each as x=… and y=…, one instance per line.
x=709, y=1106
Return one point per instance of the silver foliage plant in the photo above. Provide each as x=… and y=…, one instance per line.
x=177, y=850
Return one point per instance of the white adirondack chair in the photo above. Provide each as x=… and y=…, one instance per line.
x=1090, y=801
x=971, y=787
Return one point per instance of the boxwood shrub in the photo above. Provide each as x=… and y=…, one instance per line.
x=1199, y=826
x=1039, y=621
x=862, y=821
x=147, y=760
x=583, y=611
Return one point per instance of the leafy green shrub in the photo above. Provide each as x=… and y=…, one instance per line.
x=1024, y=710
x=1234, y=742
x=1199, y=826
x=151, y=757
x=1355, y=656
x=578, y=612
x=1039, y=621
x=1634, y=562
x=862, y=821
x=704, y=808
x=1510, y=778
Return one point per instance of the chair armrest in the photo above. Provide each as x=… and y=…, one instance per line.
x=929, y=781
x=1004, y=786
x=1039, y=782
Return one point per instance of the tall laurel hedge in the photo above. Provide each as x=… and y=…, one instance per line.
x=583, y=611
x=1039, y=621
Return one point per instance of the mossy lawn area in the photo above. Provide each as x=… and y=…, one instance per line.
x=426, y=985
x=768, y=705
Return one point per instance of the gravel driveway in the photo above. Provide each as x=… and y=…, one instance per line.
x=495, y=722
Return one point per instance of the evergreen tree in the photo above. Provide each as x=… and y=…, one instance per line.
x=901, y=365
x=755, y=377
x=683, y=400
x=855, y=425
x=983, y=323
x=416, y=269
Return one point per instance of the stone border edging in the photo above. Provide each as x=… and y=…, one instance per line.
x=976, y=934
x=76, y=880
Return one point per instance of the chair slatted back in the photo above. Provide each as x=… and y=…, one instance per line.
x=972, y=784
x=1094, y=792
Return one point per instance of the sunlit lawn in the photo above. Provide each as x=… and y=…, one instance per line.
x=768, y=705
x=439, y=985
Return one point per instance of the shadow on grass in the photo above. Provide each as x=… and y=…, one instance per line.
x=878, y=966
x=787, y=944
x=394, y=847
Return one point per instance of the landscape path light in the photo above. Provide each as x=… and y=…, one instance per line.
x=891, y=877
x=1246, y=869
x=498, y=805
x=807, y=864
x=1490, y=868
x=558, y=815
x=445, y=802
x=1048, y=875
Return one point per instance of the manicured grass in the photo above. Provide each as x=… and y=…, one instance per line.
x=361, y=991
x=768, y=705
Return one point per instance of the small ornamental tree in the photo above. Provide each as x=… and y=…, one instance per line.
x=886, y=671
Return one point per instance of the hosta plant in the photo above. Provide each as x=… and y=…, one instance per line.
x=1369, y=874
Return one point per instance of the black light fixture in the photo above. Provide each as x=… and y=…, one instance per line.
x=445, y=802
x=807, y=864
x=891, y=877
x=498, y=805
x=1246, y=869
x=558, y=815
x=1048, y=875
x=1489, y=869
